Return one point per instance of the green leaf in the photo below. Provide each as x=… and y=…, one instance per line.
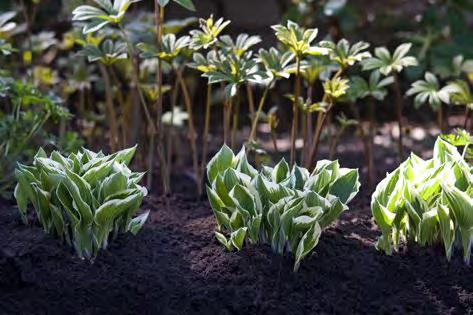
x=280, y=171
x=242, y=197
x=429, y=227
x=346, y=186
x=22, y=202
x=188, y=4
x=220, y=163
x=136, y=224
x=307, y=243
x=113, y=184
x=237, y=238
x=223, y=240
x=447, y=229
x=461, y=205
x=332, y=213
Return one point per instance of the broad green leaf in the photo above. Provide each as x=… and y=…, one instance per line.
x=188, y=4
x=461, y=205
x=429, y=227
x=237, y=238
x=280, y=171
x=331, y=214
x=243, y=199
x=137, y=223
x=346, y=186
x=220, y=162
x=307, y=243
x=223, y=240
x=447, y=229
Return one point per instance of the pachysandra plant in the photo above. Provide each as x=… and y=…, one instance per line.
x=429, y=91
x=207, y=36
x=460, y=94
x=277, y=66
x=300, y=42
x=393, y=64
x=374, y=89
x=82, y=198
x=428, y=202
x=234, y=71
x=106, y=13
x=283, y=206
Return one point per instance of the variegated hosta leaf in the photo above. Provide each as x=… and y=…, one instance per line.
x=427, y=202
x=84, y=196
x=285, y=207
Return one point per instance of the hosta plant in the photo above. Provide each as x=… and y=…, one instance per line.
x=428, y=202
x=82, y=198
x=285, y=207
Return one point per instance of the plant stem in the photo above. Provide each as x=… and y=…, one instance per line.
x=251, y=100
x=467, y=115
x=307, y=126
x=236, y=117
x=111, y=114
x=170, y=133
x=399, y=109
x=370, y=152
x=321, y=117
x=135, y=76
x=192, y=133
x=440, y=119
x=203, y=161
x=226, y=118
x=295, y=111
x=258, y=113
x=159, y=20
x=335, y=142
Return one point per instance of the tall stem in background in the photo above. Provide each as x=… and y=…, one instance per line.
x=251, y=99
x=295, y=110
x=111, y=113
x=307, y=126
x=321, y=117
x=159, y=20
x=170, y=133
x=399, y=109
x=258, y=113
x=227, y=106
x=370, y=147
x=440, y=118
x=205, y=148
x=467, y=115
x=236, y=117
x=190, y=121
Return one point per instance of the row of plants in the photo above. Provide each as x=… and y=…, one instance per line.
x=148, y=75
x=143, y=67
x=87, y=199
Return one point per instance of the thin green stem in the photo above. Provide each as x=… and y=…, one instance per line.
x=236, y=118
x=208, y=106
x=190, y=121
x=258, y=112
x=295, y=110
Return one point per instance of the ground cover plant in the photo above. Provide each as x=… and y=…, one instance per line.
x=283, y=206
x=427, y=201
x=82, y=198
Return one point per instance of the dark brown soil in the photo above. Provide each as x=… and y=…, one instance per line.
x=174, y=266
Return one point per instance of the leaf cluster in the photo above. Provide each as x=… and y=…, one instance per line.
x=82, y=198
x=288, y=208
x=427, y=202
